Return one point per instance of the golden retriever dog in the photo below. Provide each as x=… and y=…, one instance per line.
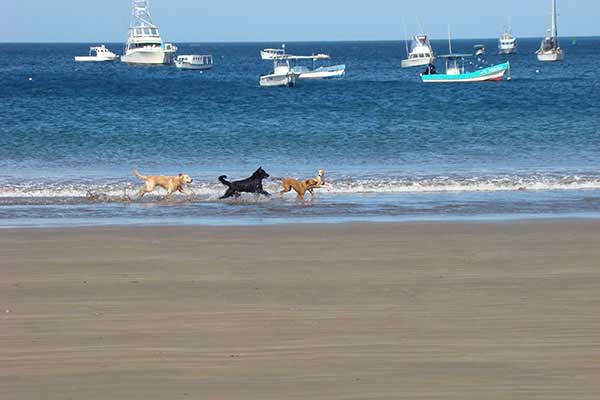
x=301, y=187
x=169, y=183
x=317, y=181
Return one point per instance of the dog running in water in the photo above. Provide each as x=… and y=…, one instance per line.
x=169, y=183
x=252, y=184
x=301, y=187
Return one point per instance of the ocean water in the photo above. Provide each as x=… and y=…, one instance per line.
x=392, y=147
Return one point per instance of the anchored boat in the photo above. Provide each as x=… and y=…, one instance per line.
x=194, y=61
x=420, y=52
x=270, y=54
x=455, y=71
x=282, y=74
x=323, y=72
x=144, y=44
x=98, y=54
x=550, y=48
x=507, y=44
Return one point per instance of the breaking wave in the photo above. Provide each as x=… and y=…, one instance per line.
x=54, y=192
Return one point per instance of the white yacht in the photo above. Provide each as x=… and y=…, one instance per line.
x=550, y=48
x=507, y=44
x=194, y=61
x=98, y=54
x=420, y=52
x=144, y=45
x=270, y=54
x=282, y=74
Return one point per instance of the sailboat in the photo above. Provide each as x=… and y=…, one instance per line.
x=550, y=48
x=144, y=45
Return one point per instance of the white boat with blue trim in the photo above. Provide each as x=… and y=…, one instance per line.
x=322, y=72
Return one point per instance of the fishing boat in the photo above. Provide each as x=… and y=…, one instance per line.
x=455, y=70
x=98, y=54
x=550, y=47
x=270, y=54
x=420, y=52
x=144, y=44
x=507, y=44
x=322, y=72
x=194, y=61
x=282, y=74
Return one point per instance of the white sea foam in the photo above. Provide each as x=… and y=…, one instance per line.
x=212, y=190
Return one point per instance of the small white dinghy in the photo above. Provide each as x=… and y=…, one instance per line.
x=194, y=61
x=98, y=54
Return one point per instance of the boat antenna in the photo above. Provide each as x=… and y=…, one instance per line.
x=420, y=25
x=405, y=36
x=449, y=40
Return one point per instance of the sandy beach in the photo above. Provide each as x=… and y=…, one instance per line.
x=347, y=311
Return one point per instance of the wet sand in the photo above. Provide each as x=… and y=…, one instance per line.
x=348, y=311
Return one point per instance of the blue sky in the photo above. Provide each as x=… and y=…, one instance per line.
x=276, y=20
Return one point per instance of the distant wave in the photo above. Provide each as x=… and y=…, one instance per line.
x=76, y=192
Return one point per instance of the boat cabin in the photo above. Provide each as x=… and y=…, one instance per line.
x=196, y=59
x=455, y=63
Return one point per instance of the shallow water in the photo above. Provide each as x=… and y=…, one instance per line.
x=393, y=148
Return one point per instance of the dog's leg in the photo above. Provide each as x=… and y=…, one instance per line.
x=141, y=193
x=264, y=192
x=228, y=193
x=285, y=190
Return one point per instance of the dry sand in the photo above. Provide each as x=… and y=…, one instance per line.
x=351, y=311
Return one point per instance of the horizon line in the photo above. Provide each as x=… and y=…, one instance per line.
x=290, y=41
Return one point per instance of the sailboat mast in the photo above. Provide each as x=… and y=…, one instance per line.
x=554, y=28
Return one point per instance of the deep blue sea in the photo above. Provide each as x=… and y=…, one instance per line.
x=392, y=147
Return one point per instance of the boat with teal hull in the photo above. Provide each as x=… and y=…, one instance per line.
x=457, y=74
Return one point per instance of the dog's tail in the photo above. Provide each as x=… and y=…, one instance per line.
x=277, y=179
x=136, y=173
x=223, y=181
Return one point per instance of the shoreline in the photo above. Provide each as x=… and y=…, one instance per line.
x=370, y=311
x=289, y=222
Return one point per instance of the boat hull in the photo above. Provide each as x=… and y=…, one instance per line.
x=417, y=62
x=147, y=57
x=275, y=80
x=333, y=72
x=551, y=56
x=493, y=73
x=195, y=67
x=96, y=59
x=507, y=50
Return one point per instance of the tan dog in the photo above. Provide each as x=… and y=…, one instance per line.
x=169, y=183
x=301, y=187
x=316, y=182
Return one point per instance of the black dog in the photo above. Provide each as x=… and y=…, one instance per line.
x=252, y=184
